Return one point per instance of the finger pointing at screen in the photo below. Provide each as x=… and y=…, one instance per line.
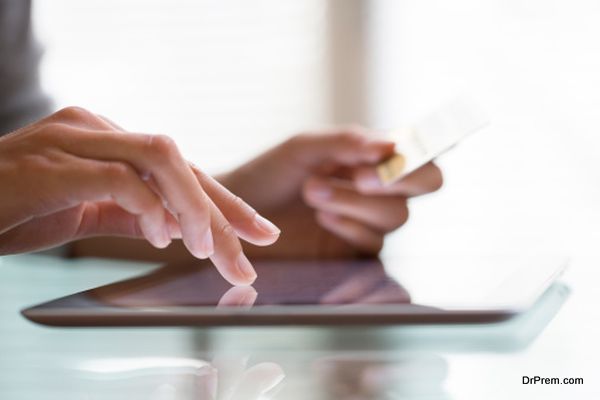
x=74, y=175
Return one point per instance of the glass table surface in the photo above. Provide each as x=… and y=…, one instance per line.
x=558, y=337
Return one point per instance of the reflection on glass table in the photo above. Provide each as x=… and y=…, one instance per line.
x=224, y=378
x=385, y=363
x=369, y=376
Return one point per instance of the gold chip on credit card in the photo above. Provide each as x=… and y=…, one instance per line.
x=391, y=168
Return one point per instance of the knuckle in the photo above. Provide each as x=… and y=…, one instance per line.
x=301, y=136
x=226, y=230
x=298, y=140
x=235, y=203
x=351, y=134
x=75, y=113
x=163, y=147
x=346, y=136
x=53, y=127
x=35, y=163
x=234, y=207
x=295, y=146
x=48, y=133
x=354, y=128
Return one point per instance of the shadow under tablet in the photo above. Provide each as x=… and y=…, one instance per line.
x=286, y=293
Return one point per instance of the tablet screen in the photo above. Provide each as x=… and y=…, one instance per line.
x=437, y=282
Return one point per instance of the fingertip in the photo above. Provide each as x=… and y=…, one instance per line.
x=207, y=242
x=262, y=240
x=266, y=226
x=258, y=230
x=164, y=242
x=354, y=135
x=154, y=231
x=426, y=179
x=438, y=176
x=265, y=241
x=204, y=246
x=174, y=230
x=234, y=276
x=201, y=247
x=245, y=269
x=157, y=243
x=239, y=281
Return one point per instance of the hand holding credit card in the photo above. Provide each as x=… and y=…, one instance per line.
x=430, y=137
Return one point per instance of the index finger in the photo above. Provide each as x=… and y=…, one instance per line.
x=425, y=179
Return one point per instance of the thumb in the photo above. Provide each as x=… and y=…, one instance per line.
x=347, y=147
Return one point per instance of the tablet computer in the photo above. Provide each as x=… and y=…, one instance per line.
x=473, y=288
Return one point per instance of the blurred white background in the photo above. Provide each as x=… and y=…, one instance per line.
x=227, y=79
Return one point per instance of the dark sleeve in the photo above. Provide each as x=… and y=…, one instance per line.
x=21, y=98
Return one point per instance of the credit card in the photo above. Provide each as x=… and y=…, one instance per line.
x=429, y=137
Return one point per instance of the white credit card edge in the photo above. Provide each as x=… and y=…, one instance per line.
x=459, y=118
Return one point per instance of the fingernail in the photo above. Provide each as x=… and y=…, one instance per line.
x=320, y=191
x=246, y=268
x=158, y=238
x=174, y=231
x=158, y=241
x=266, y=225
x=206, y=243
x=166, y=235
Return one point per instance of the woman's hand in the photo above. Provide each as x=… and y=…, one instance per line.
x=323, y=191
x=75, y=174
